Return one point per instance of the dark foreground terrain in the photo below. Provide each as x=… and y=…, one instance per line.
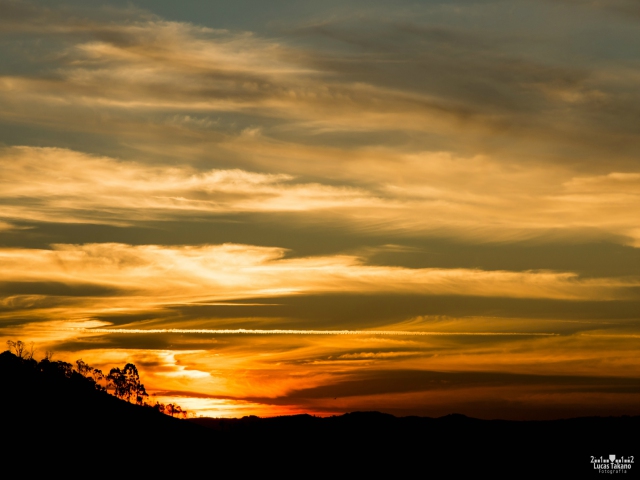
x=57, y=422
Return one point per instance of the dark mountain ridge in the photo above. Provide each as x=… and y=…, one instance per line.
x=41, y=402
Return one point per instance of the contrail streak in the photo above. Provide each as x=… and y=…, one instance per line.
x=243, y=331
x=610, y=335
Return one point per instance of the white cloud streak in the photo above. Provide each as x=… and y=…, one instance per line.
x=242, y=331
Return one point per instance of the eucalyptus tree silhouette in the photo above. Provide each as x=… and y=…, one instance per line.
x=21, y=350
x=93, y=374
x=126, y=384
x=173, y=409
x=123, y=383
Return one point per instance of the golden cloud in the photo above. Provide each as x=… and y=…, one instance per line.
x=186, y=274
x=475, y=198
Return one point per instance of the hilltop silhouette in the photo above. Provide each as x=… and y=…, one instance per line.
x=47, y=397
x=51, y=410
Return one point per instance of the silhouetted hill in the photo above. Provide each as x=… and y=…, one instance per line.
x=44, y=402
x=51, y=414
x=450, y=445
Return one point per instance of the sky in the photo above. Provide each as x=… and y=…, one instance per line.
x=421, y=208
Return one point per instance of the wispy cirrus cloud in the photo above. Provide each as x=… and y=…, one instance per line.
x=474, y=198
x=54, y=184
x=141, y=64
x=163, y=85
x=154, y=275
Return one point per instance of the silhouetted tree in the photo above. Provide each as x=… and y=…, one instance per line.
x=83, y=368
x=21, y=350
x=93, y=374
x=118, y=381
x=126, y=384
x=63, y=367
x=173, y=409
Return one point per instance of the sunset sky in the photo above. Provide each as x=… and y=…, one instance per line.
x=277, y=207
